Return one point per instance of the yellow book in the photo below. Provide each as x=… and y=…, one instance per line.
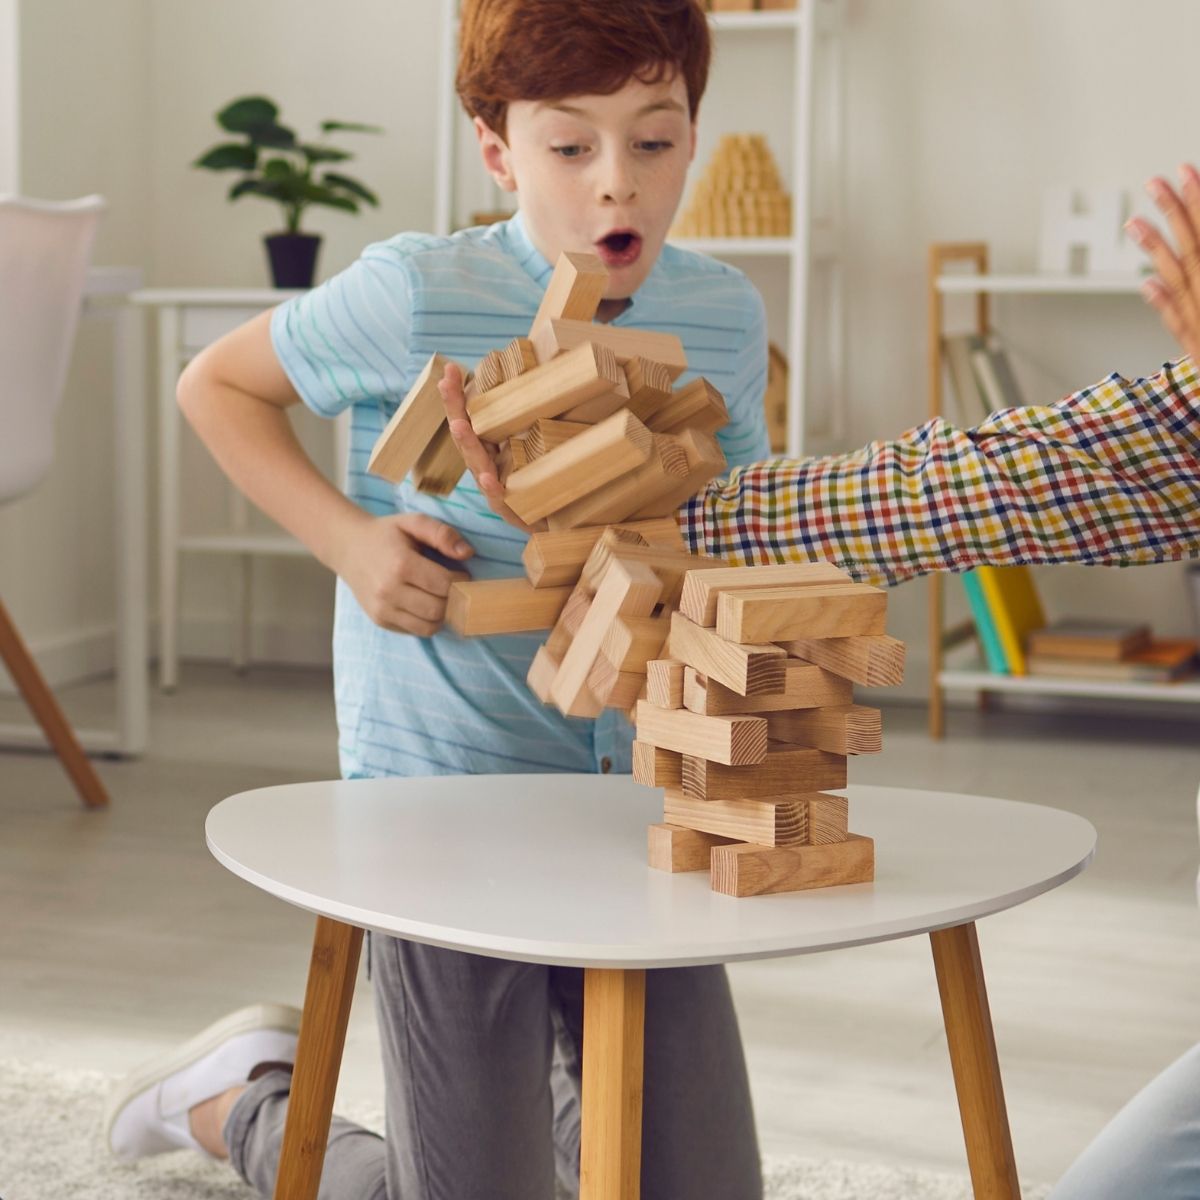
x=1016, y=610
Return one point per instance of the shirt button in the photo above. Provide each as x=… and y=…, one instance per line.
x=605, y=765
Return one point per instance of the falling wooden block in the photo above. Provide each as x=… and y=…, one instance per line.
x=631, y=642
x=440, y=465
x=696, y=405
x=413, y=425
x=784, y=771
x=705, y=459
x=749, y=670
x=873, y=660
x=517, y=357
x=562, y=336
x=490, y=371
x=841, y=729
x=649, y=386
x=671, y=848
x=599, y=407
x=579, y=466
x=612, y=688
x=804, y=686
x=627, y=589
x=664, y=683
x=575, y=290
x=656, y=767
x=669, y=564
x=548, y=434
x=702, y=589
x=542, y=671
x=740, y=869
x=555, y=557
x=778, y=821
x=480, y=607
x=735, y=741
x=569, y=621
x=781, y=614
x=547, y=391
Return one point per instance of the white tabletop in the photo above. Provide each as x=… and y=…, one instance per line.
x=552, y=868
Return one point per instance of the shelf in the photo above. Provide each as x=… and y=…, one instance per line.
x=753, y=22
x=1185, y=692
x=1061, y=285
x=244, y=543
x=767, y=247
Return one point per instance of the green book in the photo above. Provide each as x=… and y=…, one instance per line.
x=985, y=629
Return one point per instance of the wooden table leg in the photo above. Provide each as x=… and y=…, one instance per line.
x=610, y=1153
x=331, y=976
x=976, y=1067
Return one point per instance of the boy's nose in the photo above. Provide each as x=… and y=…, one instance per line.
x=617, y=183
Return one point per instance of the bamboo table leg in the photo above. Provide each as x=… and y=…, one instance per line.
x=610, y=1156
x=327, y=998
x=976, y=1067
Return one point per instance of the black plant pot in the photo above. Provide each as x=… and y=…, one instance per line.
x=293, y=258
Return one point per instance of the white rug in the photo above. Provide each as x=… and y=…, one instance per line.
x=50, y=1149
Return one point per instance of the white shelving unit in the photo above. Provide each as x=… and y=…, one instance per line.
x=975, y=677
x=814, y=140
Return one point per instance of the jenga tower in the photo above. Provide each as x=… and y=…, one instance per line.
x=739, y=195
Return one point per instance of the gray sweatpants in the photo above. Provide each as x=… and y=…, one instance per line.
x=481, y=1063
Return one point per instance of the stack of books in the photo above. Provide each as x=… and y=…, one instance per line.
x=1108, y=650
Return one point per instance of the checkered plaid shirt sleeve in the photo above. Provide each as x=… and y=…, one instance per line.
x=1109, y=475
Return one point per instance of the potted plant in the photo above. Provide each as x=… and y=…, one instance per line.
x=276, y=166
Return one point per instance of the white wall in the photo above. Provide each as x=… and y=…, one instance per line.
x=9, y=96
x=958, y=113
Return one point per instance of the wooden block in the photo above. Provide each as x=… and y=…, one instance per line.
x=574, y=291
x=612, y=688
x=749, y=670
x=696, y=405
x=827, y=818
x=649, y=386
x=782, y=614
x=841, y=729
x=627, y=589
x=440, y=465
x=517, y=357
x=480, y=607
x=579, y=466
x=706, y=460
x=413, y=425
x=490, y=372
x=547, y=434
x=740, y=869
x=562, y=336
x=784, y=771
x=541, y=674
x=555, y=557
x=671, y=566
x=599, y=407
x=639, y=488
x=701, y=589
x=656, y=767
x=631, y=642
x=569, y=621
x=547, y=391
x=779, y=821
x=664, y=682
x=873, y=661
x=674, y=849
x=804, y=686
x=734, y=741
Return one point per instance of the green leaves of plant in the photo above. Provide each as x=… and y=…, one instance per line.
x=230, y=156
x=351, y=185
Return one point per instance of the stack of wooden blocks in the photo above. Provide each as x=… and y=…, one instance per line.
x=739, y=195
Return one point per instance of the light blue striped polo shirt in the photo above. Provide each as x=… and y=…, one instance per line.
x=446, y=704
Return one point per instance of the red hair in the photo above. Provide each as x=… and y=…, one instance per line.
x=550, y=49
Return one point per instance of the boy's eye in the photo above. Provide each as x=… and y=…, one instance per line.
x=567, y=151
x=655, y=147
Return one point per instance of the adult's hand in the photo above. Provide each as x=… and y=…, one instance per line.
x=1175, y=291
x=398, y=587
x=480, y=457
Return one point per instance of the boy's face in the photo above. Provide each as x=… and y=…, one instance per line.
x=601, y=174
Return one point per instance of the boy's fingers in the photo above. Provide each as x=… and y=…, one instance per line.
x=1180, y=223
x=1172, y=276
x=1160, y=300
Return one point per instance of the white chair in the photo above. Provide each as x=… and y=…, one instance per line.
x=44, y=252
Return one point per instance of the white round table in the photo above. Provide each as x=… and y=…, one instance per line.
x=552, y=869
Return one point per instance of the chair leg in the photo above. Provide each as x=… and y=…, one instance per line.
x=45, y=708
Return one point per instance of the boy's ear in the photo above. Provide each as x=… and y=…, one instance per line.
x=496, y=158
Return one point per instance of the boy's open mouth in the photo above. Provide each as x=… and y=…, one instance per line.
x=619, y=248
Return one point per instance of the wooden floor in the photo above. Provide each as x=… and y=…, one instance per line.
x=127, y=936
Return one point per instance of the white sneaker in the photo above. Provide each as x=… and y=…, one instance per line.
x=147, y=1112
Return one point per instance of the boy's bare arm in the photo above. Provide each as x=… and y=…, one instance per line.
x=236, y=395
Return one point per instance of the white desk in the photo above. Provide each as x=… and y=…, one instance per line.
x=103, y=292
x=552, y=869
x=188, y=320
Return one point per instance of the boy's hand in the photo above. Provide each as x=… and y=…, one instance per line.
x=1175, y=292
x=479, y=456
x=397, y=586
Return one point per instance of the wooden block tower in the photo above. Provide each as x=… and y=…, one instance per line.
x=740, y=193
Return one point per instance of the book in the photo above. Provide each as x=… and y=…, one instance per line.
x=1160, y=662
x=1015, y=608
x=970, y=404
x=1075, y=637
x=994, y=374
x=985, y=630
